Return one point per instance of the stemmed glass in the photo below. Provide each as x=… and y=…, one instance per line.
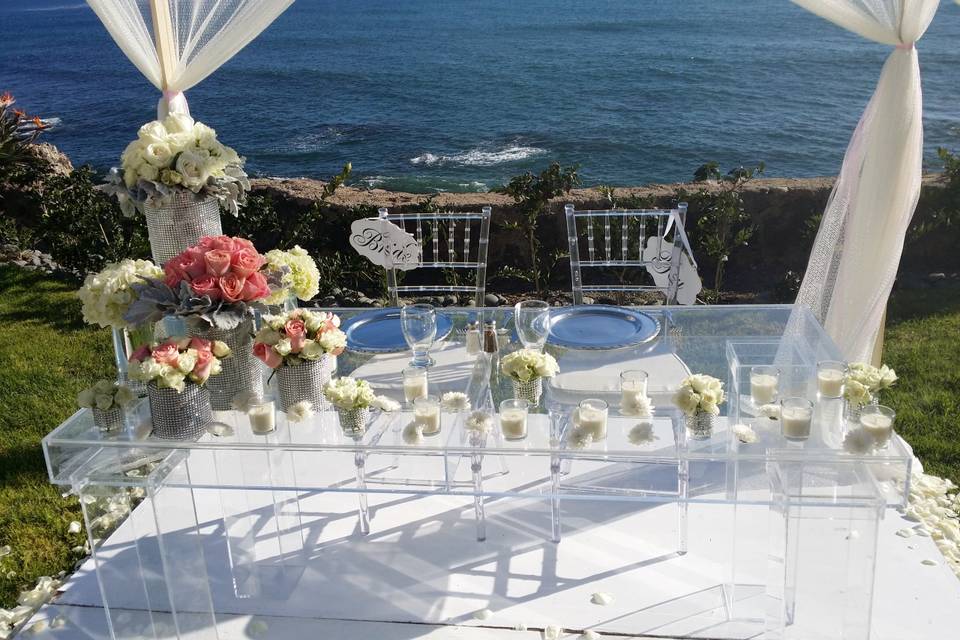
x=532, y=318
x=419, y=324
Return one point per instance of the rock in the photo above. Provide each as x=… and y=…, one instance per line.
x=588, y=300
x=450, y=301
x=491, y=300
x=472, y=302
x=329, y=301
x=937, y=277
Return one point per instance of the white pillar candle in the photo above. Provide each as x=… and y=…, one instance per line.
x=830, y=383
x=262, y=418
x=763, y=388
x=594, y=422
x=879, y=426
x=795, y=422
x=415, y=387
x=513, y=423
x=428, y=417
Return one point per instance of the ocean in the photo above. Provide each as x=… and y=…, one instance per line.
x=460, y=95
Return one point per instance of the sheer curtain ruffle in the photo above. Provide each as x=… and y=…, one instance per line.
x=177, y=43
x=857, y=250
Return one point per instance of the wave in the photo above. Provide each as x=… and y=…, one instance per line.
x=480, y=157
x=60, y=7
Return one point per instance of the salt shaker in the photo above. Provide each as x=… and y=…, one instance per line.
x=473, y=338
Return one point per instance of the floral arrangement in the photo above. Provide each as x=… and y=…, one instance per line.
x=297, y=273
x=698, y=394
x=215, y=280
x=865, y=381
x=106, y=296
x=298, y=336
x=527, y=365
x=106, y=395
x=176, y=156
x=171, y=364
x=349, y=393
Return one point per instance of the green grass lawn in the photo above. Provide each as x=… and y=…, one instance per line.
x=48, y=355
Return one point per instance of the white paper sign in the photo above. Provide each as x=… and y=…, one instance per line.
x=690, y=284
x=373, y=237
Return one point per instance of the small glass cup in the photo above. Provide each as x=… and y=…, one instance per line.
x=796, y=416
x=633, y=387
x=415, y=383
x=426, y=413
x=513, y=418
x=831, y=377
x=419, y=325
x=877, y=420
x=764, y=381
x=263, y=417
x=532, y=318
x=592, y=418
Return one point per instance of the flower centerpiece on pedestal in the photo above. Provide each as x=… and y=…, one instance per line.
x=298, y=276
x=352, y=398
x=107, y=400
x=176, y=373
x=700, y=397
x=526, y=369
x=179, y=175
x=301, y=347
x=863, y=385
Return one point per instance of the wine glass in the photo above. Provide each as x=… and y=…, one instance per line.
x=532, y=318
x=419, y=324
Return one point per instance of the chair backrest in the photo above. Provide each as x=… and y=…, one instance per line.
x=649, y=239
x=451, y=243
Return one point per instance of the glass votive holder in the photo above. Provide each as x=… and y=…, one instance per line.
x=592, y=418
x=796, y=416
x=415, y=384
x=633, y=387
x=764, y=381
x=877, y=420
x=426, y=413
x=831, y=377
x=262, y=416
x=513, y=418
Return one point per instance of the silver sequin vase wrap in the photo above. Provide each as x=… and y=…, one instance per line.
x=304, y=381
x=180, y=224
x=108, y=419
x=241, y=371
x=353, y=421
x=700, y=425
x=529, y=391
x=179, y=416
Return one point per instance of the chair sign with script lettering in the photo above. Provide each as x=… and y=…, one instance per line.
x=385, y=244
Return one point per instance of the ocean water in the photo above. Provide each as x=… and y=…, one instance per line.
x=430, y=95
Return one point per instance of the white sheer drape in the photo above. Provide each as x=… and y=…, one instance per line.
x=177, y=43
x=857, y=250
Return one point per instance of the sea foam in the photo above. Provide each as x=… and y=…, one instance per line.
x=480, y=157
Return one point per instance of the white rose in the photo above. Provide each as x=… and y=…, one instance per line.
x=206, y=137
x=311, y=350
x=149, y=172
x=192, y=166
x=283, y=347
x=332, y=340
x=104, y=386
x=268, y=336
x=158, y=154
x=125, y=397
x=687, y=400
x=152, y=132
x=104, y=401
x=187, y=361
x=172, y=379
x=87, y=398
x=178, y=123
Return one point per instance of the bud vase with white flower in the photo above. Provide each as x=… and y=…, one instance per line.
x=699, y=398
x=526, y=369
x=863, y=385
x=301, y=347
x=352, y=399
x=179, y=175
x=176, y=373
x=107, y=400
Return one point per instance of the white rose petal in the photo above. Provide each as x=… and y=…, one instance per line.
x=601, y=598
x=552, y=632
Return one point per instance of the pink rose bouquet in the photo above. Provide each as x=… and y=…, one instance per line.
x=171, y=364
x=298, y=336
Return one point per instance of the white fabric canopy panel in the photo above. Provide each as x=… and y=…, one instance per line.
x=177, y=43
x=857, y=250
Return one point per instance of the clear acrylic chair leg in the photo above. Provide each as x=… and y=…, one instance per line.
x=363, y=511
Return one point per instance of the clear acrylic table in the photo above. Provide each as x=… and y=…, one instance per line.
x=709, y=538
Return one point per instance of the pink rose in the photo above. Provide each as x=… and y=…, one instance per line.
x=171, y=275
x=231, y=286
x=189, y=264
x=222, y=243
x=255, y=287
x=297, y=333
x=207, y=286
x=201, y=344
x=218, y=261
x=246, y=262
x=141, y=354
x=242, y=243
x=206, y=243
x=266, y=353
x=167, y=353
x=201, y=370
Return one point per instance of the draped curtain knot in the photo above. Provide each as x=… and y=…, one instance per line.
x=905, y=46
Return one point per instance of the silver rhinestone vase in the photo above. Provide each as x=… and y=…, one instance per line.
x=108, y=419
x=180, y=224
x=700, y=425
x=353, y=421
x=529, y=391
x=179, y=416
x=304, y=381
x=241, y=371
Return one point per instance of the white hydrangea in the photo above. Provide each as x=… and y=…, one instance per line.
x=529, y=364
x=107, y=295
x=302, y=279
x=349, y=393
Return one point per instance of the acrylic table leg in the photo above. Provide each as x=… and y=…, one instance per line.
x=476, y=466
x=555, y=532
x=683, y=505
x=363, y=512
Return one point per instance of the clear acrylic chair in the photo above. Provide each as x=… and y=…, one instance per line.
x=620, y=240
x=453, y=244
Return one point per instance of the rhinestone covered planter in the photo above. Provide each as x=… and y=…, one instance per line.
x=305, y=381
x=179, y=416
x=529, y=391
x=180, y=224
x=241, y=371
x=700, y=425
x=354, y=421
x=108, y=419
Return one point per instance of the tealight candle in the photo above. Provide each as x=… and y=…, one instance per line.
x=415, y=383
x=262, y=417
x=592, y=418
x=633, y=387
x=877, y=420
x=426, y=413
x=763, y=384
x=513, y=418
x=796, y=415
x=831, y=376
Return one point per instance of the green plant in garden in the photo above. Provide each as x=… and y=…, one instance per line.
x=532, y=193
x=17, y=132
